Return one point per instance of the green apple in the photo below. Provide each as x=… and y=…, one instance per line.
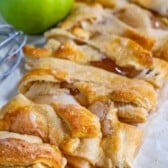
x=34, y=16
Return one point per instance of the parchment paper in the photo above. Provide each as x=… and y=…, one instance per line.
x=154, y=150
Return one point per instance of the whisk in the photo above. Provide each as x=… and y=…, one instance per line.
x=11, y=43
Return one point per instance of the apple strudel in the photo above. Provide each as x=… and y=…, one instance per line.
x=114, y=54
x=82, y=145
x=87, y=85
x=17, y=150
x=87, y=89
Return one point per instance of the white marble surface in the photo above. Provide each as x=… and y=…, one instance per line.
x=154, y=150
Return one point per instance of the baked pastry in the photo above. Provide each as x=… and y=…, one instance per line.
x=18, y=150
x=58, y=127
x=63, y=44
x=70, y=108
x=95, y=19
x=159, y=6
x=105, y=50
x=115, y=47
x=75, y=130
x=140, y=18
x=87, y=85
x=108, y=3
x=114, y=54
x=147, y=23
x=78, y=40
x=20, y=111
x=161, y=48
x=143, y=23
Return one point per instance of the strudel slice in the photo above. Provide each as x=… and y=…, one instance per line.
x=73, y=128
x=112, y=53
x=21, y=151
x=95, y=18
x=87, y=85
x=87, y=138
x=159, y=6
x=147, y=23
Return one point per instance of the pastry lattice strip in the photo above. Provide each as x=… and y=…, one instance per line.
x=74, y=129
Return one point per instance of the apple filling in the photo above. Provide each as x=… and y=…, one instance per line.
x=47, y=93
x=109, y=65
x=86, y=94
x=105, y=112
x=100, y=60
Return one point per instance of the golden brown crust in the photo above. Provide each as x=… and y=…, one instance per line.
x=112, y=46
x=125, y=55
x=16, y=152
x=21, y=116
x=157, y=75
x=82, y=123
x=76, y=126
x=147, y=23
x=73, y=53
x=124, y=52
x=120, y=141
x=81, y=8
x=93, y=135
x=78, y=162
x=65, y=51
x=20, y=121
x=30, y=51
x=82, y=148
x=104, y=19
x=161, y=49
x=89, y=85
x=131, y=114
x=123, y=143
x=159, y=6
x=87, y=94
x=82, y=143
x=62, y=70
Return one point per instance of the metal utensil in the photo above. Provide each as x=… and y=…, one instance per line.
x=11, y=43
